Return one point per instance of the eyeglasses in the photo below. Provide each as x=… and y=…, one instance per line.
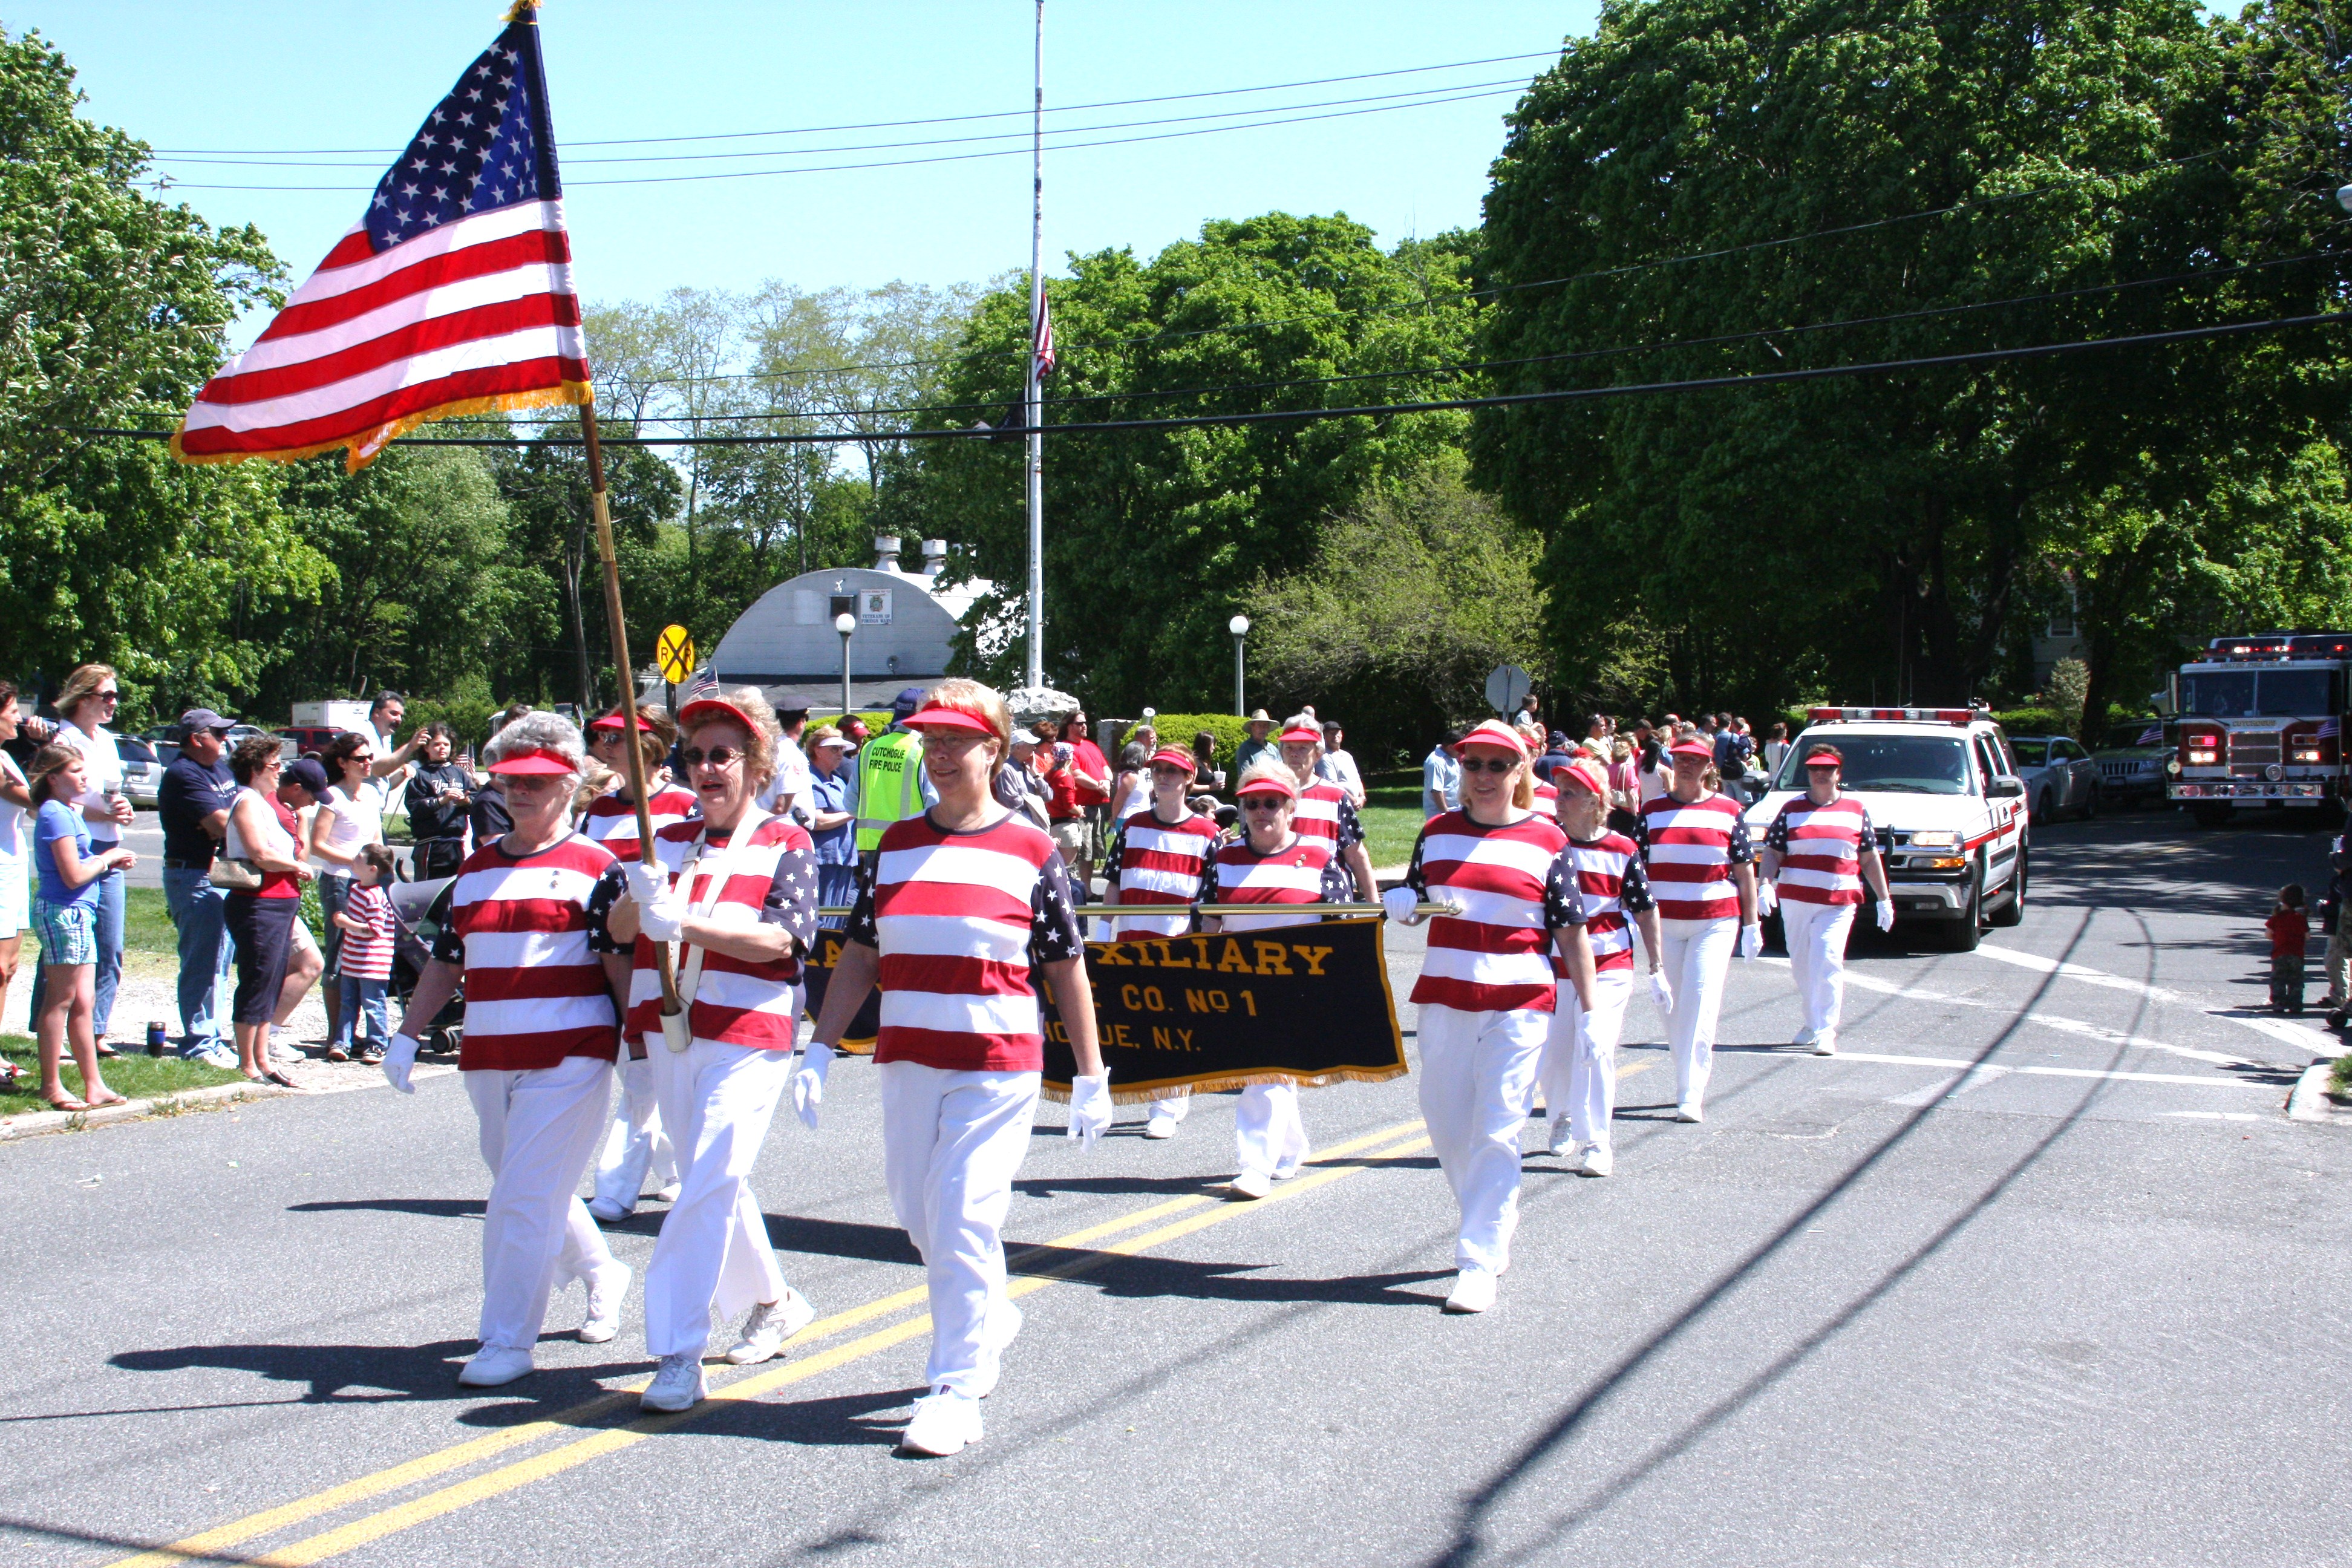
x=1494, y=765
x=717, y=756
x=605, y=737
x=1262, y=802
x=108, y=696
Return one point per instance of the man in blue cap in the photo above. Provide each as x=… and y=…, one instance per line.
x=891, y=783
x=193, y=802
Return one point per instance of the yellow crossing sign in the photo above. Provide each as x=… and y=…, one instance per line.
x=674, y=651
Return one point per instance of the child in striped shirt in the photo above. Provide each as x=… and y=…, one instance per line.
x=367, y=926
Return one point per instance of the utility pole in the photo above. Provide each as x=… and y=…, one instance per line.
x=1037, y=465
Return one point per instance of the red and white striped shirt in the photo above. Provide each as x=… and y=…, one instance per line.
x=1609, y=875
x=1690, y=848
x=1517, y=887
x=529, y=931
x=959, y=920
x=1820, y=849
x=1153, y=863
x=1304, y=871
x=612, y=821
x=367, y=955
x=770, y=880
x=1325, y=812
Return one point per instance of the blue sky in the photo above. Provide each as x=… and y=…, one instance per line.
x=269, y=75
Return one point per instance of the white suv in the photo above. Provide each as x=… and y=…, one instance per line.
x=1944, y=794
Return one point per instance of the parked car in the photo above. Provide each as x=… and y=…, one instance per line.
x=309, y=739
x=2060, y=777
x=142, y=772
x=2131, y=763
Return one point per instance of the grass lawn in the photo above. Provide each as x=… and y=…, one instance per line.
x=135, y=1077
x=147, y=923
x=1391, y=819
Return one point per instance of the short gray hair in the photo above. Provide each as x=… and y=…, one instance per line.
x=540, y=731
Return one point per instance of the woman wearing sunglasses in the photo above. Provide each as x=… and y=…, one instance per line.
x=1702, y=871
x=961, y=906
x=1486, y=991
x=1157, y=858
x=736, y=889
x=636, y=1145
x=1272, y=863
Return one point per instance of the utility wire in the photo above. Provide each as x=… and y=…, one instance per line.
x=1434, y=405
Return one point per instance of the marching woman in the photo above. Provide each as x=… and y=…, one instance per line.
x=1487, y=989
x=636, y=1144
x=1579, y=1065
x=736, y=888
x=1819, y=851
x=527, y=933
x=959, y=909
x=1159, y=857
x=1702, y=872
x=1276, y=861
x=1325, y=810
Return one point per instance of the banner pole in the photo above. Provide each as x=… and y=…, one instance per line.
x=628, y=681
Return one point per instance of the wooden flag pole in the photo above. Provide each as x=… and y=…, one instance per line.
x=636, y=752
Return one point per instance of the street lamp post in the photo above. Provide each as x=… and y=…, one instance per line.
x=1239, y=626
x=846, y=624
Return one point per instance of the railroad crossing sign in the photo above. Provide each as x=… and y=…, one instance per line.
x=1505, y=687
x=674, y=651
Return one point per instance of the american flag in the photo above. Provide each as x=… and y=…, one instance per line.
x=1043, y=342
x=451, y=295
x=2330, y=730
x=702, y=683
x=2151, y=736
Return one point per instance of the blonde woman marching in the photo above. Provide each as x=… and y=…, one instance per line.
x=1487, y=989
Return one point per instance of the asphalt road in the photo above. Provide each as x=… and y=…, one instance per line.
x=2038, y=1272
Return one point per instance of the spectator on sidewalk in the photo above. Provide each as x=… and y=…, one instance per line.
x=786, y=792
x=16, y=804
x=88, y=702
x=300, y=787
x=197, y=791
x=390, y=764
x=350, y=818
x=263, y=919
x=66, y=913
x=1335, y=765
x=2289, y=931
x=438, y=795
x=833, y=812
x=1260, y=725
x=1775, y=749
x=1441, y=781
x=365, y=962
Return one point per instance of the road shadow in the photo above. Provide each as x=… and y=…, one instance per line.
x=845, y=1421
x=378, y=1375
x=431, y=1208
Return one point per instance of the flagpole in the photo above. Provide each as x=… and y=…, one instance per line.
x=1037, y=465
x=603, y=511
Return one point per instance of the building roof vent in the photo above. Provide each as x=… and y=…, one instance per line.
x=885, y=552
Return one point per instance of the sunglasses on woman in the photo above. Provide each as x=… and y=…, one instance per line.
x=1262, y=802
x=1496, y=766
x=717, y=756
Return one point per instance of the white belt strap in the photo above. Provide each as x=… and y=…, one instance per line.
x=721, y=867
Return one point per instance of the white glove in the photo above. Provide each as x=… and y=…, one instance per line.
x=1661, y=992
x=1886, y=914
x=664, y=916
x=808, y=1084
x=1767, y=894
x=645, y=882
x=399, y=1061
x=1751, y=941
x=1089, y=1107
x=1403, y=906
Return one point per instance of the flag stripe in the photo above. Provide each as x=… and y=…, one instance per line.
x=551, y=373
x=406, y=345
x=526, y=254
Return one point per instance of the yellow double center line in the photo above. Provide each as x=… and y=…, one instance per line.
x=597, y=1443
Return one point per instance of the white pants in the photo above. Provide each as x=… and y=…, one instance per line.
x=1580, y=1058
x=1476, y=1071
x=713, y=1250
x=951, y=1142
x=1697, y=957
x=1269, y=1135
x=1173, y=1105
x=1816, y=936
x=538, y=1130
x=637, y=1144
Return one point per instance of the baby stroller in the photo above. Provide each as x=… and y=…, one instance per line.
x=418, y=910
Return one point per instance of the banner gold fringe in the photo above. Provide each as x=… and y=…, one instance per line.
x=1146, y=1093
x=374, y=441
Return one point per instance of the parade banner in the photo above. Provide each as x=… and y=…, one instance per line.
x=1306, y=1005
x=817, y=971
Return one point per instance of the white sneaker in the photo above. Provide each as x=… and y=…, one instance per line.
x=1159, y=1125
x=1598, y=1162
x=667, y=1195
x=281, y=1052
x=1803, y=1037
x=1689, y=1113
x=606, y=1212
x=944, y=1423
x=214, y=1055
x=678, y=1385
x=1003, y=1327
x=1825, y=1043
x=493, y=1366
x=1250, y=1184
x=1561, y=1141
x=604, y=1295
x=1474, y=1291
x=770, y=1325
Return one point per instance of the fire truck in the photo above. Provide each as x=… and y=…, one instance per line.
x=2260, y=724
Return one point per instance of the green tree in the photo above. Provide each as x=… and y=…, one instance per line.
x=1153, y=539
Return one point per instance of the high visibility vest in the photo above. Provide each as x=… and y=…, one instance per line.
x=889, y=784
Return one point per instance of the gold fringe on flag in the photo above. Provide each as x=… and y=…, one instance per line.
x=362, y=449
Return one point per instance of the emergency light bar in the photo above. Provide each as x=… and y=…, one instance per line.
x=1916, y=715
x=2281, y=644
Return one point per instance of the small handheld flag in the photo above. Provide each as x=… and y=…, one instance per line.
x=452, y=295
